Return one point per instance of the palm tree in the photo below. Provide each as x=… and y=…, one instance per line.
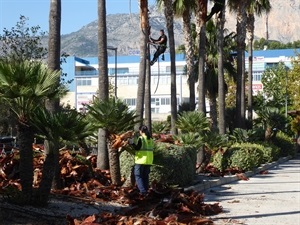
x=201, y=12
x=193, y=125
x=54, y=47
x=184, y=8
x=169, y=15
x=214, y=79
x=25, y=85
x=65, y=124
x=221, y=81
x=148, y=120
x=145, y=32
x=54, y=44
x=255, y=7
x=272, y=120
x=240, y=8
x=115, y=117
x=211, y=72
x=103, y=93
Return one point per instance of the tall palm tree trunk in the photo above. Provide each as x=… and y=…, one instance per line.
x=49, y=171
x=250, y=35
x=148, y=120
x=202, y=6
x=114, y=166
x=169, y=15
x=189, y=54
x=54, y=48
x=144, y=38
x=221, y=81
x=25, y=136
x=102, y=157
x=54, y=45
x=213, y=112
x=241, y=37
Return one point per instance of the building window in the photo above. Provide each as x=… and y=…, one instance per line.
x=165, y=101
x=271, y=65
x=257, y=75
x=84, y=82
x=179, y=69
x=132, y=80
x=119, y=70
x=130, y=101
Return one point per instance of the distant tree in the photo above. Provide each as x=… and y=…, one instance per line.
x=275, y=85
x=19, y=43
x=293, y=83
x=22, y=42
x=256, y=7
x=240, y=8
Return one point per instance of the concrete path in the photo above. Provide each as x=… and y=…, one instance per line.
x=265, y=199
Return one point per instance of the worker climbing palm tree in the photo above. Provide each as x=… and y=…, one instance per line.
x=162, y=46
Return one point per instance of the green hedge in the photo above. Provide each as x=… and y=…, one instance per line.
x=243, y=156
x=173, y=164
x=271, y=152
x=246, y=156
x=285, y=143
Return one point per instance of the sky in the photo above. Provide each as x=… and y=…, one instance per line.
x=75, y=13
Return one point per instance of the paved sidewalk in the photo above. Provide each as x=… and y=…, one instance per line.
x=265, y=199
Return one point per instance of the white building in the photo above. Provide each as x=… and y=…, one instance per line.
x=84, y=73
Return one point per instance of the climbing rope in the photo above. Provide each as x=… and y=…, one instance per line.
x=158, y=67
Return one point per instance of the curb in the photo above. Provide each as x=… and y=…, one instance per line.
x=209, y=182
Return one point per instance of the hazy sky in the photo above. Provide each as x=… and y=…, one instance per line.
x=75, y=13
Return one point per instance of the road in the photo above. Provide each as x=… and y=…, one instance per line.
x=265, y=199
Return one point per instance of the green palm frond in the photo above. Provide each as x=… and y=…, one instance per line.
x=215, y=140
x=113, y=115
x=191, y=139
x=25, y=85
x=160, y=127
x=271, y=117
x=67, y=124
x=193, y=121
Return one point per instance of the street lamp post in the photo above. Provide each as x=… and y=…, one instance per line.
x=286, y=91
x=116, y=75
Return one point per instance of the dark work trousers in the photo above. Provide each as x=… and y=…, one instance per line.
x=141, y=173
x=160, y=50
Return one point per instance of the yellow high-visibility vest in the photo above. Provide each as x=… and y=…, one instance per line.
x=145, y=154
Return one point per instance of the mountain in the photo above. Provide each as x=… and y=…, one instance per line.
x=123, y=30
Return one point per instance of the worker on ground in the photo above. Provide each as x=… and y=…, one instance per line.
x=143, y=159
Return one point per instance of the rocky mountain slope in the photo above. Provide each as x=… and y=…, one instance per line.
x=124, y=29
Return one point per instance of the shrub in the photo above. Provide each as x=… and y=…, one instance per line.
x=245, y=156
x=285, y=143
x=220, y=160
x=271, y=152
x=173, y=164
